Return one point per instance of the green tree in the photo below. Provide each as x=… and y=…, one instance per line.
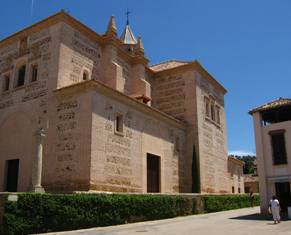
x=249, y=166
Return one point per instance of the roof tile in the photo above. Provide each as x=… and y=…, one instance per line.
x=168, y=65
x=280, y=102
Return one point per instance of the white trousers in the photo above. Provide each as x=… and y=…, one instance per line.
x=276, y=214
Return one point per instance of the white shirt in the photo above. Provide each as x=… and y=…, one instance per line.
x=274, y=203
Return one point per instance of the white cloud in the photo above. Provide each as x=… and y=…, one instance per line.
x=241, y=153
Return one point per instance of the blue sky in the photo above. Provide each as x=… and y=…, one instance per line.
x=244, y=44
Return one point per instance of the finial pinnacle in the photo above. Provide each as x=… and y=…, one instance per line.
x=111, y=28
x=140, y=45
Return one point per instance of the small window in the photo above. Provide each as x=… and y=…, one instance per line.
x=34, y=70
x=6, y=82
x=119, y=123
x=21, y=76
x=279, y=148
x=23, y=46
x=212, y=112
x=238, y=190
x=217, y=115
x=232, y=189
x=207, y=108
x=85, y=76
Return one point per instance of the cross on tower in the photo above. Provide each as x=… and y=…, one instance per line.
x=127, y=16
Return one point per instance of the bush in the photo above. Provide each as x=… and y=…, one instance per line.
x=228, y=202
x=36, y=213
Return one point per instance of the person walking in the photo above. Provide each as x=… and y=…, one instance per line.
x=275, y=209
x=252, y=197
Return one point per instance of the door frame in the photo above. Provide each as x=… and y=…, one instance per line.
x=159, y=181
x=6, y=171
x=284, y=204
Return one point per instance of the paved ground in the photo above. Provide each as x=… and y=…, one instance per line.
x=235, y=222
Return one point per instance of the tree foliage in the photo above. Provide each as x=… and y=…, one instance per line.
x=249, y=167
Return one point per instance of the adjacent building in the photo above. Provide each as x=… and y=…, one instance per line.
x=87, y=112
x=236, y=177
x=251, y=181
x=272, y=124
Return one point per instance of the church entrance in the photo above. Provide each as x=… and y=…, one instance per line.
x=283, y=194
x=12, y=167
x=153, y=173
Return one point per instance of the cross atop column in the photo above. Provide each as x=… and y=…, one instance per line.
x=127, y=16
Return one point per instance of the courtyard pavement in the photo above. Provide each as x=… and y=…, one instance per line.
x=235, y=222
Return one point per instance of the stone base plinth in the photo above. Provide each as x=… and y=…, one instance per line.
x=37, y=189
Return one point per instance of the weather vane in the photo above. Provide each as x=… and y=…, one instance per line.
x=127, y=16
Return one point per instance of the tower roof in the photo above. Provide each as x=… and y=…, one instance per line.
x=168, y=65
x=127, y=36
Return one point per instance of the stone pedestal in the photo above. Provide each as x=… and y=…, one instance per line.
x=37, y=168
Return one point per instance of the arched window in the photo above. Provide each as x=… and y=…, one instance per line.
x=21, y=76
x=85, y=75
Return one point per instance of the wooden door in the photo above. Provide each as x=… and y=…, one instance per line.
x=153, y=173
x=283, y=194
x=12, y=175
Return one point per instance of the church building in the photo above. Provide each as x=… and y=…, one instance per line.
x=80, y=111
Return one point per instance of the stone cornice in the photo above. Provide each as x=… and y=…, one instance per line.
x=50, y=21
x=93, y=85
x=62, y=16
x=194, y=65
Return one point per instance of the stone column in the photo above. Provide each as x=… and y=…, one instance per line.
x=37, y=167
x=262, y=169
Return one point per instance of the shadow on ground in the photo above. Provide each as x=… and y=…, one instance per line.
x=257, y=216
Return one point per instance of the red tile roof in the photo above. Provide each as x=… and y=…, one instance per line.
x=281, y=102
x=168, y=65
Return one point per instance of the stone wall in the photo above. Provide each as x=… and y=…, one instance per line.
x=119, y=159
x=236, y=177
x=67, y=149
x=24, y=109
x=212, y=140
x=174, y=94
x=169, y=95
x=78, y=54
x=181, y=94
